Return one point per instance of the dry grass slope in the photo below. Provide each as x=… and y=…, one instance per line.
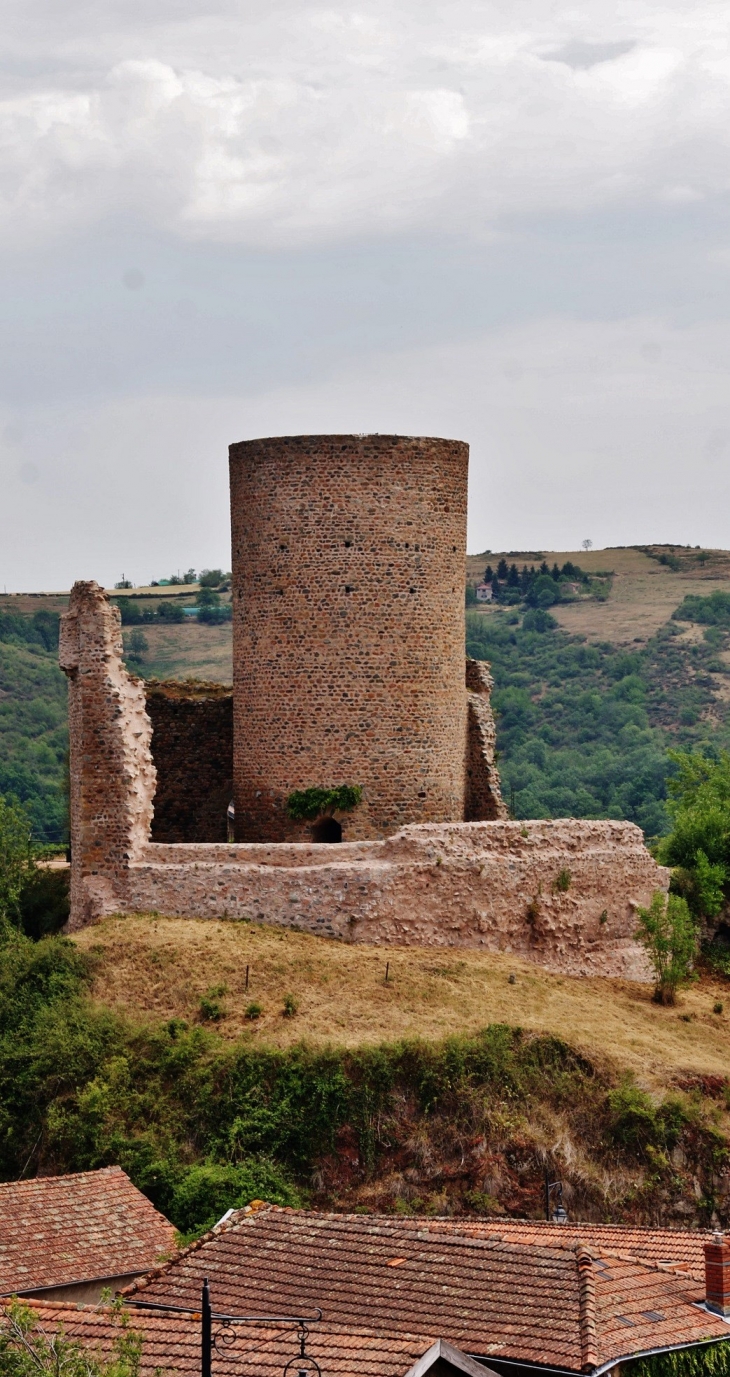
x=152, y=967
x=644, y=593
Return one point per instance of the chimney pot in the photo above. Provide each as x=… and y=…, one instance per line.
x=717, y=1275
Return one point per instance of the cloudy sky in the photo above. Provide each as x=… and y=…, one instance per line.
x=502, y=223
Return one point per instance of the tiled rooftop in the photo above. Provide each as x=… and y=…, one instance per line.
x=678, y=1248
x=575, y=1306
x=57, y=1230
x=173, y=1345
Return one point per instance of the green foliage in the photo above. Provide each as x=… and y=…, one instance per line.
x=16, y=858
x=573, y=730
x=171, y=611
x=202, y=1124
x=137, y=645
x=136, y=613
x=211, y=1009
x=710, y=611
x=670, y=938
x=290, y=1006
x=205, y=1192
x=699, y=844
x=211, y=578
x=33, y=734
x=207, y=597
x=705, y=1360
x=41, y=629
x=253, y=1010
x=43, y=905
x=470, y=595
x=563, y=880
x=637, y=1123
x=215, y=615
x=29, y=1350
x=318, y=802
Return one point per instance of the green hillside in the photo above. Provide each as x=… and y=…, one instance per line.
x=33, y=731
x=586, y=709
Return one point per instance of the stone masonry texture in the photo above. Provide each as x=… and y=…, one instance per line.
x=348, y=629
x=483, y=798
x=490, y=884
x=192, y=750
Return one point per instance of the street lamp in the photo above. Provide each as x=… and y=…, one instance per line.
x=559, y=1214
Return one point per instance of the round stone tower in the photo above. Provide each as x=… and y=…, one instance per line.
x=348, y=630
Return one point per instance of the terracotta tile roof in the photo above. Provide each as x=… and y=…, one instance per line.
x=569, y=1307
x=56, y=1230
x=258, y=1351
x=678, y=1248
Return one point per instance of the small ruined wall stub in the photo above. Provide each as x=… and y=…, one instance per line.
x=483, y=801
x=192, y=749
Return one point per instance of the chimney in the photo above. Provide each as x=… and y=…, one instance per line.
x=717, y=1275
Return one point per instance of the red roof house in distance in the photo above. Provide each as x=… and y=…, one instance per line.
x=69, y=1237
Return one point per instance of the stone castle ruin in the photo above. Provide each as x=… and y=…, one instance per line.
x=348, y=674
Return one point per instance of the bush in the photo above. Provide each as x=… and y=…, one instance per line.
x=206, y=1192
x=137, y=645
x=43, y=904
x=318, y=802
x=215, y=616
x=26, y=1350
x=699, y=844
x=290, y=1006
x=538, y=620
x=130, y=611
x=171, y=612
x=211, y=1009
x=211, y=578
x=253, y=1010
x=637, y=1123
x=16, y=858
x=671, y=940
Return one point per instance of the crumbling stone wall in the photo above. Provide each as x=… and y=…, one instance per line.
x=192, y=750
x=112, y=772
x=483, y=799
x=491, y=884
x=348, y=628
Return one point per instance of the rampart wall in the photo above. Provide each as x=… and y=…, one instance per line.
x=561, y=893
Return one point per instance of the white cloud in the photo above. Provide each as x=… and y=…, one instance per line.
x=295, y=123
x=619, y=430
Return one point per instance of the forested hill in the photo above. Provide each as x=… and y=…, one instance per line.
x=33, y=734
x=583, y=730
x=597, y=672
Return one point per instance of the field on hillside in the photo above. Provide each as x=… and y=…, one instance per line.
x=159, y=969
x=644, y=592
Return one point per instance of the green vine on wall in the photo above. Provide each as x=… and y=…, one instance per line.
x=318, y=803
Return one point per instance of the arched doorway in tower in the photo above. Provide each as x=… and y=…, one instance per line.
x=327, y=830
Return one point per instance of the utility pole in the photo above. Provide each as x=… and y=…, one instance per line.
x=206, y=1332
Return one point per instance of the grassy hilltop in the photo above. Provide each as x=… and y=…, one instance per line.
x=220, y=1061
